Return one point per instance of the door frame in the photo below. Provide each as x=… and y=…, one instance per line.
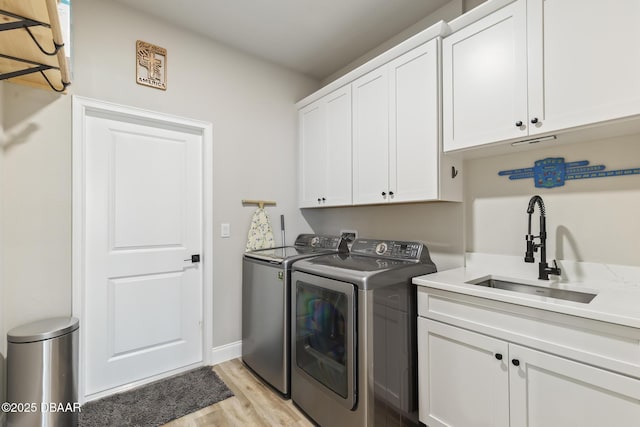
x=81, y=108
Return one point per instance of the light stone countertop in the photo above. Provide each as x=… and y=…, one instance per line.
x=617, y=287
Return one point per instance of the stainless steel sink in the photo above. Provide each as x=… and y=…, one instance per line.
x=583, y=297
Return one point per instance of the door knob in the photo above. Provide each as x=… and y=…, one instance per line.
x=194, y=258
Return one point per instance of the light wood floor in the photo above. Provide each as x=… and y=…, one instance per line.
x=254, y=403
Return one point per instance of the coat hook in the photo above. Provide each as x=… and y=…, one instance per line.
x=454, y=172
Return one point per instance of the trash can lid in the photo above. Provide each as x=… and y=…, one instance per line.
x=41, y=330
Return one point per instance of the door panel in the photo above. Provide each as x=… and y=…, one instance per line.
x=371, y=137
x=313, y=151
x=414, y=135
x=547, y=390
x=461, y=380
x=484, y=80
x=148, y=205
x=154, y=295
x=338, y=167
x=577, y=75
x=143, y=221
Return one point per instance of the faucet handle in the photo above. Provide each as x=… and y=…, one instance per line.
x=531, y=247
x=555, y=270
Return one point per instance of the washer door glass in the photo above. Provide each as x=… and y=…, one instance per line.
x=324, y=334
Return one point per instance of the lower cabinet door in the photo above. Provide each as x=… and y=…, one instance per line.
x=463, y=377
x=550, y=391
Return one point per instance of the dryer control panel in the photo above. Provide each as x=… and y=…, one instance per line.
x=396, y=249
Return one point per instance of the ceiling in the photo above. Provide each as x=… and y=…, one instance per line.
x=314, y=37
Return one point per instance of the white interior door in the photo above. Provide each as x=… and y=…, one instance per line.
x=143, y=295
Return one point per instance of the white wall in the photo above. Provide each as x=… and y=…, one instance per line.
x=449, y=11
x=250, y=103
x=36, y=215
x=593, y=220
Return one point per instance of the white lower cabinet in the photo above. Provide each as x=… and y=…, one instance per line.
x=468, y=379
x=461, y=383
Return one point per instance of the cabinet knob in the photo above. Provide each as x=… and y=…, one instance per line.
x=319, y=199
x=534, y=120
x=391, y=193
x=519, y=123
x=498, y=356
x=384, y=194
x=324, y=200
x=515, y=362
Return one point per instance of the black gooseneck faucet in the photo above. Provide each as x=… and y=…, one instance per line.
x=543, y=268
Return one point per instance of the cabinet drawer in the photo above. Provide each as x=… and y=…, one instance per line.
x=597, y=343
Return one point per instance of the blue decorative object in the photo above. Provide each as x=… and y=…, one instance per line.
x=553, y=172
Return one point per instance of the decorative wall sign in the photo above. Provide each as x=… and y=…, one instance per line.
x=553, y=172
x=151, y=65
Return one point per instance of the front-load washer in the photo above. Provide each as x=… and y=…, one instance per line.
x=266, y=300
x=354, y=321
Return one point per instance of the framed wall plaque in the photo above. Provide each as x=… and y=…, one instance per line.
x=151, y=65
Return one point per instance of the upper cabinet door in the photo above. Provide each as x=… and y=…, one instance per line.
x=484, y=80
x=371, y=137
x=312, y=121
x=338, y=146
x=583, y=65
x=325, y=151
x=414, y=124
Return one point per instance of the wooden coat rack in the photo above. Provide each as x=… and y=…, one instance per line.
x=260, y=203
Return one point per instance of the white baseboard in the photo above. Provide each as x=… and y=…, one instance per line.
x=226, y=352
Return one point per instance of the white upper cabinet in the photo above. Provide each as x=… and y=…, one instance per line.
x=582, y=65
x=540, y=66
x=396, y=132
x=484, y=80
x=414, y=129
x=371, y=137
x=325, y=150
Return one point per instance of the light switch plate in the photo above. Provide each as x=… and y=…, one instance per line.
x=225, y=230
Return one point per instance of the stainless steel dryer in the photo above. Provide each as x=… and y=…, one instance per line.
x=353, y=351
x=266, y=300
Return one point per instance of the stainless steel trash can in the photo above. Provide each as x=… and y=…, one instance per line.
x=42, y=373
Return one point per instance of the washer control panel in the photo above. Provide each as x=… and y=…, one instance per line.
x=318, y=242
x=388, y=248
